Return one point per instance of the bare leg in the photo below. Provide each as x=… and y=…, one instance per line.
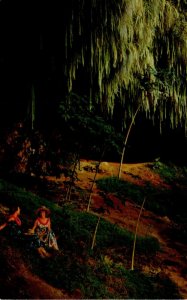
x=43, y=253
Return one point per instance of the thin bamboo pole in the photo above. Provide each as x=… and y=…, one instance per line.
x=95, y=232
x=135, y=235
x=126, y=139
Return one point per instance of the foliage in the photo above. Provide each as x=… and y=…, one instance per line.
x=29, y=152
x=84, y=129
x=137, y=52
x=106, y=51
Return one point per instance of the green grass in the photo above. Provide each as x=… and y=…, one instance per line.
x=103, y=279
x=144, y=286
x=95, y=281
x=122, y=189
x=71, y=226
x=162, y=201
x=170, y=173
x=69, y=273
x=72, y=270
x=157, y=199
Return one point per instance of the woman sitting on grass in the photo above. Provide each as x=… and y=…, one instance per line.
x=42, y=228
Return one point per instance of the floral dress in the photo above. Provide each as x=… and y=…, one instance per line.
x=46, y=237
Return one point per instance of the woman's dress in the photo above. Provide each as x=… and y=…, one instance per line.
x=46, y=237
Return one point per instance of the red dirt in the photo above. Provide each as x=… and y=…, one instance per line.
x=173, y=258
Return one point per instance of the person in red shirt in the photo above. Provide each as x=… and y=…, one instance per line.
x=13, y=224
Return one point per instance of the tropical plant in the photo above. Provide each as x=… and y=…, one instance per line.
x=121, y=51
x=132, y=50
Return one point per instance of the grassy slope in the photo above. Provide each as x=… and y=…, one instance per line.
x=101, y=273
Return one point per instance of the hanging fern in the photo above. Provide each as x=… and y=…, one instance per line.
x=133, y=48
